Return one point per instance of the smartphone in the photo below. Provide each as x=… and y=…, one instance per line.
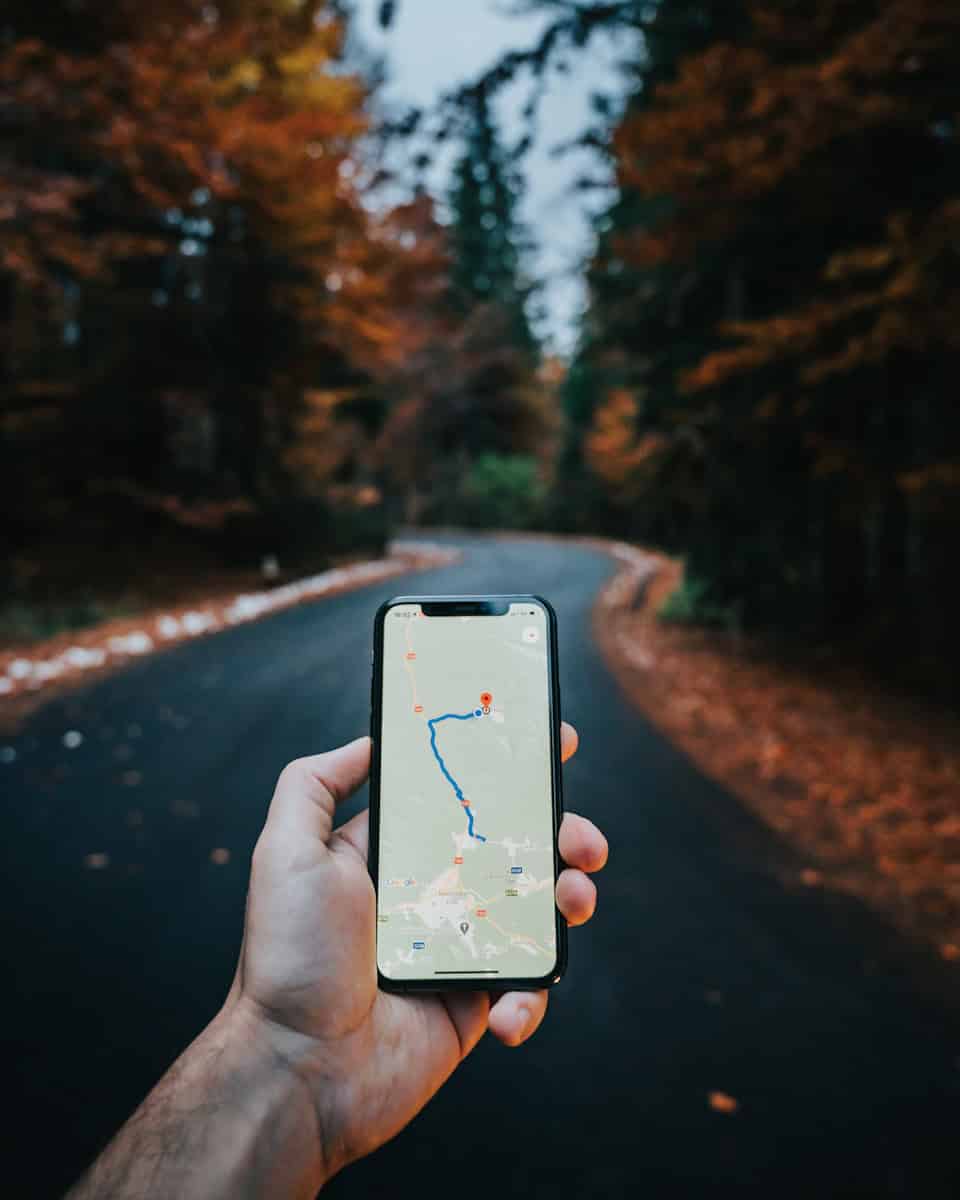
x=465, y=795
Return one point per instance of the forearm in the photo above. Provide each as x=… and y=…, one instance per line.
x=227, y=1120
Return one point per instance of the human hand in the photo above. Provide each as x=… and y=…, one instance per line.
x=306, y=983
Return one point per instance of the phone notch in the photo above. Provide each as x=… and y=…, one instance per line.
x=465, y=607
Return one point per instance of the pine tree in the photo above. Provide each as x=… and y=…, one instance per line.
x=487, y=240
x=495, y=401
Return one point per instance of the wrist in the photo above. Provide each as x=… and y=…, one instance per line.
x=268, y=1061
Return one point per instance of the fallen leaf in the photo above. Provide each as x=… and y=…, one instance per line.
x=722, y=1103
x=220, y=857
x=96, y=861
x=859, y=782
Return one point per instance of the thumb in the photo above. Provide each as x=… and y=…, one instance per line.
x=309, y=790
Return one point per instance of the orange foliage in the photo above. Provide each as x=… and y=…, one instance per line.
x=740, y=120
x=388, y=306
x=613, y=448
x=772, y=123
x=324, y=440
x=249, y=106
x=913, y=306
x=252, y=106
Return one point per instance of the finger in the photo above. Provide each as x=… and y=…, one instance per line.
x=576, y=896
x=582, y=844
x=309, y=789
x=356, y=833
x=468, y=1011
x=569, y=741
x=517, y=1015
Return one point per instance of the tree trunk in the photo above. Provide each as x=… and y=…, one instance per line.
x=891, y=566
x=844, y=541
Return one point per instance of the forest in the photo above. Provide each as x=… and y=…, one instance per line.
x=220, y=342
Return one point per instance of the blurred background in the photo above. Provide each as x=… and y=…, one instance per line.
x=518, y=282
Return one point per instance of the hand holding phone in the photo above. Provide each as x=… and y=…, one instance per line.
x=310, y=1065
x=306, y=985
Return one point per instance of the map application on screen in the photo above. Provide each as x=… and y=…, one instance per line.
x=466, y=861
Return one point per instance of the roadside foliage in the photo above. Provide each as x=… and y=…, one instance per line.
x=767, y=377
x=219, y=343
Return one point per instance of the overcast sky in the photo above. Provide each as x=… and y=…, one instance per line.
x=434, y=45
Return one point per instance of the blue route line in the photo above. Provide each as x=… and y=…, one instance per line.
x=457, y=791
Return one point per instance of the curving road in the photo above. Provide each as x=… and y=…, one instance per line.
x=702, y=973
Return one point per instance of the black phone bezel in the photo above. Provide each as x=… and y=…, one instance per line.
x=462, y=606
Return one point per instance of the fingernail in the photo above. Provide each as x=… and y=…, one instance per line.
x=526, y=1018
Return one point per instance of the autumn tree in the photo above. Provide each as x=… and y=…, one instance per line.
x=644, y=321
x=772, y=307
x=412, y=350
x=181, y=217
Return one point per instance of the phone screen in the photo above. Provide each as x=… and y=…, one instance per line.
x=466, y=828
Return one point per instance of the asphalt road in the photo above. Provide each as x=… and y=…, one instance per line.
x=701, y=973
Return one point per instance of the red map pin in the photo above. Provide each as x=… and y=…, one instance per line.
x=486, y=699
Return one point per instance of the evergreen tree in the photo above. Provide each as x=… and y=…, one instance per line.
x=495, y=402
x=487, y=240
